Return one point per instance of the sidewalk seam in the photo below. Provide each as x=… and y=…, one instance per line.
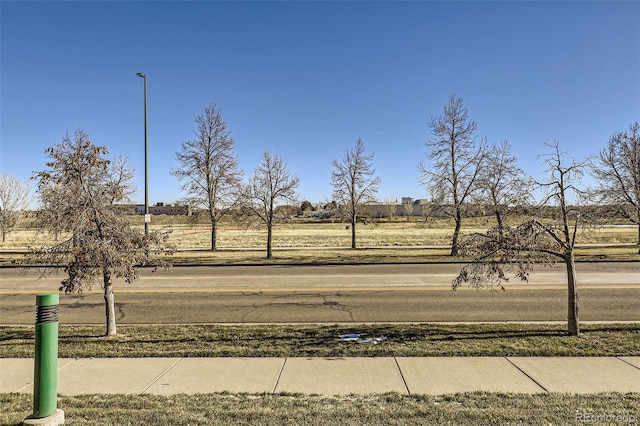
x=275, y=386
x=628, y=363
x=526, y=374
x=402, y=375
x=58, y=370
x=65, y=366
x=161, y=376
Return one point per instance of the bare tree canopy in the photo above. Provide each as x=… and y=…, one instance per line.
x=502, y=183
x=455, y=162
x=80, y=191
x=14, y=200
x=209, y=169
x=505, y=250
x=270, y=183
x=354, y=183
x=390, y=208
x=617, y=170
x=408, y=209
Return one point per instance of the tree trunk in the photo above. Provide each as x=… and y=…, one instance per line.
x=456, y=234
x=499, y=220
x=353, y=231
x=269, y=254
x=214, y=233
x=109, y=303
x=573, y=327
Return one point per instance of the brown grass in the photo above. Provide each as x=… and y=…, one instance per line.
x=294, y=340
x=399, y=241
x=321, y=234
x=477, y=408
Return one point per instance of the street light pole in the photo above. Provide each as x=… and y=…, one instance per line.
x=146, y=161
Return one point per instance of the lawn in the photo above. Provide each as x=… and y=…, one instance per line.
x=293, y=340
x=479, y=408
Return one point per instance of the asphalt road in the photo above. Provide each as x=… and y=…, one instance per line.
x=351, y=293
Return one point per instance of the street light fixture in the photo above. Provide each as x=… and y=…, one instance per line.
x=146, y=163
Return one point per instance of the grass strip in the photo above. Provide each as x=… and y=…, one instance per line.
x=371, y=255
x=297, y=409
x=405, y=340
x=332, y=256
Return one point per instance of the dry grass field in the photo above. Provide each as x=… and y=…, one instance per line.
x=301, y=234
x=324, y=242
x=314, y=235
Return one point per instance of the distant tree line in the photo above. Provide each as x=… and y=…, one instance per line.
x=461, y=175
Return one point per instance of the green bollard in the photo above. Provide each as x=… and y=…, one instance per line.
x=45, y=381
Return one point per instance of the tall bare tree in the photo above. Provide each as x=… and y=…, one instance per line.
x=209, y=170
x=408, y=209
x=80, y=192
x=270, y=183
x=390, y=208
x=14, y=200
x=502, y=183
x=354, y=183
x=455, y=162
x=617, y=169
x=517, y=250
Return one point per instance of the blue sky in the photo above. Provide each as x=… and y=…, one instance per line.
x=306, y=79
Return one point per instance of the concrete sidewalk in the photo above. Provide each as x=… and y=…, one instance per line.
x=332, y=376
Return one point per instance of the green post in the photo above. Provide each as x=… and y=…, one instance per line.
x=45, y=383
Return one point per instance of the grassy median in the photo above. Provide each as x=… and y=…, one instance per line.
x=404, y=340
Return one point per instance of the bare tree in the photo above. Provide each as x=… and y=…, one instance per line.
x=536, y=241
x=14, y=200
x=80, y=192
x=269, y=183
x=209, y=170
x=354, y=183
x=502, y=183
x=408, y=209
x=425, y=212
x=617, y=169
x=455, y=162
x=390, y=208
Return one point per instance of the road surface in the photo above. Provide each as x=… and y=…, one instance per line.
x=349, y=293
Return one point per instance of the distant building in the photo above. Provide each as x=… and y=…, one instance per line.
x=174, y=209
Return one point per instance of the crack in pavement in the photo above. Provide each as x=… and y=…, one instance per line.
x=275, y=301
x=338, y=305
